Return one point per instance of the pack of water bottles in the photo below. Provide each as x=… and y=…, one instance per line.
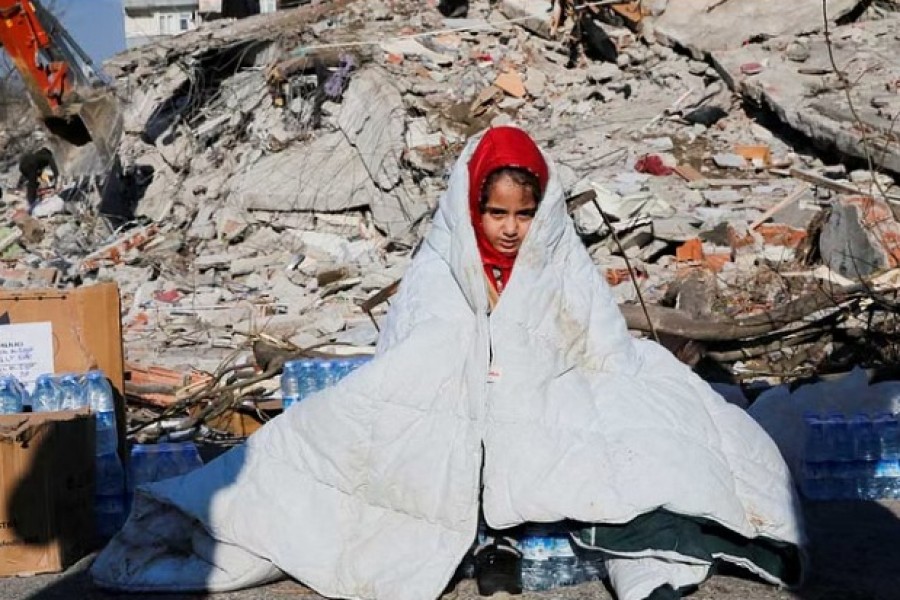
x=302, y=378
x=855, y=458
x=157, y=462
x=549, y=560
x=66, y=392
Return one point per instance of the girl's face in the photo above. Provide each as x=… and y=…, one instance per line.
x=507, y=215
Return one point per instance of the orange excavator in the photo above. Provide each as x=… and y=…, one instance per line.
x=75, y=101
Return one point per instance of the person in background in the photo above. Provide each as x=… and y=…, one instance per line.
x=38, y=171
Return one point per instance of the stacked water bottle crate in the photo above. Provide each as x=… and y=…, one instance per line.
x=856, y=458
x=303, y=378
x=109, y=495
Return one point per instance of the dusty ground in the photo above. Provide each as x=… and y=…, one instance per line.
x=853, y=547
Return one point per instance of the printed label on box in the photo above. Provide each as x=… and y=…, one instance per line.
x=26, y=350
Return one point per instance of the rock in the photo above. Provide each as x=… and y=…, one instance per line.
x=797, y=52
x=697, y=67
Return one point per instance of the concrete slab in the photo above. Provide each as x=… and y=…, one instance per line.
x=703, y=26
x=373, y=118
x=808, y=97
x=327, y=175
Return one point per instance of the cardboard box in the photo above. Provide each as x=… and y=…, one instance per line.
x=46, y=490
x=86, y=321
x=87, y=330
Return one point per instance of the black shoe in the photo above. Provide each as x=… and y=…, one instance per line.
x=664, y=592
x=498, y=568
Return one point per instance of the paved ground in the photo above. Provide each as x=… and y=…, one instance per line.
x=854, y=548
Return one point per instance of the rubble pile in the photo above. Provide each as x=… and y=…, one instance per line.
x=277, y=173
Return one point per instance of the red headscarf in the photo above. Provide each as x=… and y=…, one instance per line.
x=500, y=147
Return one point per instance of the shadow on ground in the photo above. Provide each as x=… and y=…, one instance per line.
x=854, y=551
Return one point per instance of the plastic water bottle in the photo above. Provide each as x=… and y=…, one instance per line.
x=887, y=428
x=327, y=374
x=308, y=378
x=100, y=399
x=842, y=469
x=72, y=393
x=46, y=396
x=109, y=495
x=10, y=395
x=887, y=478
x=290, y=383
x=887, y=470
x=563, y=563
x=817, y=471
x=591, y=566
x=344, y=367
x=866, y=453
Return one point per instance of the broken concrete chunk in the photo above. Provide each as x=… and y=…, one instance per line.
x=716, y=197
x=535, y=82
x=860, y=238
x=530, y=14
x=417, y=135
x=149, y=103
x=411, y=48
x=728, y=160
x=603, y=72
x=326, y=175
x=675, y=229
x=231, y=223
x=511, y=83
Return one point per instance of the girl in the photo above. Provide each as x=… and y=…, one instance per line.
x=506, y=384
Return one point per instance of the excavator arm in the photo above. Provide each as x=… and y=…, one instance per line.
x=76, y=103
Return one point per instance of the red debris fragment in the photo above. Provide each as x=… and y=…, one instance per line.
x=652, y=164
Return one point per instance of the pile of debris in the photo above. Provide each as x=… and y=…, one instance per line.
x=278, y=172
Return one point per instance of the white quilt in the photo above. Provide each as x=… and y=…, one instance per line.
x=370, y=489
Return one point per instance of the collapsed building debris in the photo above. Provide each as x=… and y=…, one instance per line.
x=277, y=174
